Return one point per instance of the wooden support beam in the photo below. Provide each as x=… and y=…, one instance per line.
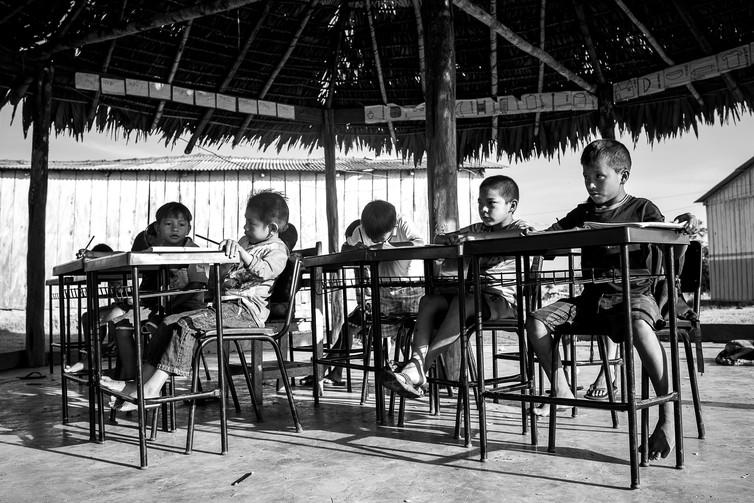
x=420, y=43
x=656, y=45
x=201, y=9
x=276, y=71
x=378, y=66
x=331, y=194
x=228, y=77
x=440, y=124
x=730, y=82
x=518, y=42
x=103, y=69
x=541, y=75
x=173, y=70
x=35, y=254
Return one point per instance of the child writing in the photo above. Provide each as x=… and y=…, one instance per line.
x=437, y=322
x=246, y=286
x=382, y=227
x=606, y=167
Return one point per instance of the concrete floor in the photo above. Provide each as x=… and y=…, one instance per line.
x=343, y=456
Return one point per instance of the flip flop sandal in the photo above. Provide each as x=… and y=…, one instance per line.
x=592, y=395
x=32, y=375
x=402, y=386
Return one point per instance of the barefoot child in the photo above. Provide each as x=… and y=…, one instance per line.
x=246, y=286
x=437, y=322
x=606, y=167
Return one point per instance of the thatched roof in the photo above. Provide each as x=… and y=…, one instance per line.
x=315, y=55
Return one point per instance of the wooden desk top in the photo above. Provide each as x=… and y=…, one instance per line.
x=368, y=255
x=123, y=261
x=543, y=242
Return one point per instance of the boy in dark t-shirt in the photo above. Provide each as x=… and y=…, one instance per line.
x=606, y=168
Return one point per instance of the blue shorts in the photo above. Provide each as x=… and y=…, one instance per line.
x=598, y=314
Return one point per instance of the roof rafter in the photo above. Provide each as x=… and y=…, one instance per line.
x=340, y=33
x=173, y=70
x=541, y=74
x=520, y=43
x=656, y=45
x=420, y=44
x=276, y=71
x=177, y=16
x=228, y=77
x=706, y=47
x=103, y=69
x=378, y=67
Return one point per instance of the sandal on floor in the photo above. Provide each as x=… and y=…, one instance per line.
x=400, y=383
x=598, y=393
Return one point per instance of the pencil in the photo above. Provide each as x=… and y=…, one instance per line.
x=241, y=478
x=207, y=239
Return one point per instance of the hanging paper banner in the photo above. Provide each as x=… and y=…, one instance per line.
x=286, y=111
x=204, y=99
x=87, y=81
x=113, y=86
x=685, y=73
x=137, y=87
x=159, y=90
x=183, y=95
x=246, y=106
x=225, y=102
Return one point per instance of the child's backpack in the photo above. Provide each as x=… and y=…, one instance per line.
x=737, y=352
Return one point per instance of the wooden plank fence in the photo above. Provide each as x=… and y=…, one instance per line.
x=114, y=206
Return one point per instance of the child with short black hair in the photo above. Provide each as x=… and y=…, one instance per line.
x=437, y=322
x=606, y=168
x=381, y=226
x=246, y=286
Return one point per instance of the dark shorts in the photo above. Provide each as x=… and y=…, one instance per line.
x=598, y=314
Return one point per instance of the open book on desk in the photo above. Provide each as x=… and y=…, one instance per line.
x=641, y=225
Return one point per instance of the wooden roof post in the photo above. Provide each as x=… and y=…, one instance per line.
x=331, y=192
x=35, y=254
x=442, y=174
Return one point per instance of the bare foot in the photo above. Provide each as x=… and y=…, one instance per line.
x=662, y=440
x=543, y=410
x=76, y=367
x=112, y=384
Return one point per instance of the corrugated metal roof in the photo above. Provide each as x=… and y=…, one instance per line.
x=739, y=170
x=214, y=163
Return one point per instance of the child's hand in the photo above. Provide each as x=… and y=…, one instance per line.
x=231, y=248
x=690, y=223
x=453, y=238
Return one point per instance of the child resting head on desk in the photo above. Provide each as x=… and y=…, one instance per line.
x=246, y=286
x=381, y=227
x=437, y=322
x=606, y=168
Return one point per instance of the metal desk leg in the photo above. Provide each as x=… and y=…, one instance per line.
x=630, y=377
x=63, y=360
x=220, y=359
x=675, y=363
x=379, y=393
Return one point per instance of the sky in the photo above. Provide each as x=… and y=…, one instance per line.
x=673, y=173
